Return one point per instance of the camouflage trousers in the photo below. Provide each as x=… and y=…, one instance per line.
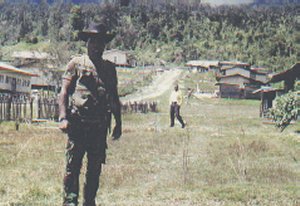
x=90, y=139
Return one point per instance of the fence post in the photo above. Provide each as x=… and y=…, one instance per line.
x=17, y=124
x=1, y=112
x=39, y=105
x=31, y=109
x=24, y=109
x=8, y=108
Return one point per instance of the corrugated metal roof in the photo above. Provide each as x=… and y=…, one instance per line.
x=265, y=90
x=10, y=68
x=202, y=63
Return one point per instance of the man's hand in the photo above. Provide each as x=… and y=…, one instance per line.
x=117, y=132
x=64, y=125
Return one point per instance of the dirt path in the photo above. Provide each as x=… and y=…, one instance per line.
x=161, y=83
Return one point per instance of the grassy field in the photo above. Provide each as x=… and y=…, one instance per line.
x=225, y=156
x=130, y=80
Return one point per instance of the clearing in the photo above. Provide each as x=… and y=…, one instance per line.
x=160, y=84
x=224, y=157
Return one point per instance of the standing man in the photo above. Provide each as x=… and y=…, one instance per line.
x=91, y=84
x=175, y=103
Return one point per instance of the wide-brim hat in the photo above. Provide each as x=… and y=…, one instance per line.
x=96, y=30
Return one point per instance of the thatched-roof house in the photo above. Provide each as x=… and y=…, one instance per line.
x=203, y=65
x=225, y=64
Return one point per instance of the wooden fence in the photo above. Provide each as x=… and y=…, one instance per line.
x=26, y=109
x=47, y=108
x=139, y=107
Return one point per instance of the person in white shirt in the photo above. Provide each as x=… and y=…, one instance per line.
x=175, y=103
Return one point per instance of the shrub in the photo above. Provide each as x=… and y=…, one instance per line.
x=285, y=110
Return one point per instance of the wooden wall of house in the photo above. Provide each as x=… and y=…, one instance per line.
x=266, y=102
x=231, y=91
x=234, y=80
x=241, y=71
x=248, y=93
x=261, y=77
x=235, y=92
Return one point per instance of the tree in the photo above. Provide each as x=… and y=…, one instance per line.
x=76, y=21
x=42, y=16
x=76, y=18
x=55, y=21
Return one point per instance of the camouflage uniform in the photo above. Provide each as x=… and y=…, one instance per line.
x=89, y=119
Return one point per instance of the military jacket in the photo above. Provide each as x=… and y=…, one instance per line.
x=90, y=89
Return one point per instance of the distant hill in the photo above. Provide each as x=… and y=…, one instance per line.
x=256, y=2
x=228, y=2
x=212, y=2
x=158, y=31
x=52, y=1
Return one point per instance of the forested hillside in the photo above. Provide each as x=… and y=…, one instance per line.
x=173, y=31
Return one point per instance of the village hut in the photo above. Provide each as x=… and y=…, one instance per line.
x=203, y=65
x=238, y=86
x=14, y=80
x=118, y=57
x=268, y=94
x=15, y=88
x=40, y=63
x=32, y=58
x=238, y=80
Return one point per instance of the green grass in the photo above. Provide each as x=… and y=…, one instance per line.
x=205, y=81
x=225, y=156
x=131, y=80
